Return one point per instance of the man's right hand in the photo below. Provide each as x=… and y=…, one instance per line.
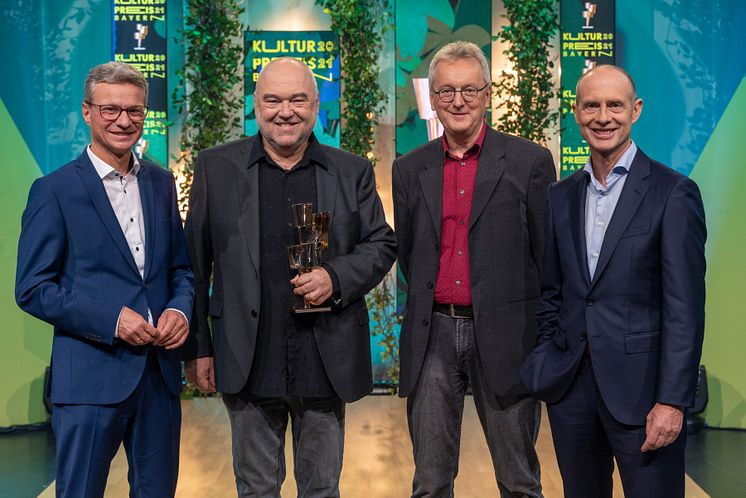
x=201, y=373
x=134, y=329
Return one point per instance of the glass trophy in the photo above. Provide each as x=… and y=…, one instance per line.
x=312, y=235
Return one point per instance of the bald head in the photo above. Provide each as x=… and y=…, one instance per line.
x=605, y=70
x=284, y=67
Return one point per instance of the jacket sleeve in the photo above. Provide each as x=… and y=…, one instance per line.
x=42, y=250
x=199, y=244
x=181, y=278
x=372, y=257
x=547, y=311
x=683, y=235
x=542, y=175
x=401, y=220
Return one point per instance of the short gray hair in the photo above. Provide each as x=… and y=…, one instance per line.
x=460, y=50
x=113, y=73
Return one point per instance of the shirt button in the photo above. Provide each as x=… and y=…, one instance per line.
x=137, y=248
x=459, y=252
x=458, y=282
x=461, y=191
x=460, y=222
x=595, y=254
x=462, y=164
x=132, y=220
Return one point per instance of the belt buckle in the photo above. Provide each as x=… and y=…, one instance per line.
x=452, y=312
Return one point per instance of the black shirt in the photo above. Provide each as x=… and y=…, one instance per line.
x=286, y=358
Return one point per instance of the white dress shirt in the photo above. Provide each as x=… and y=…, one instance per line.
x=123, y=192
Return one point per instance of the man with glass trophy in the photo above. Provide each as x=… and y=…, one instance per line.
x=286, y=236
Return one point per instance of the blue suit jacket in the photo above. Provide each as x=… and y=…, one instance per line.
x=642, y=315
x=75, y=271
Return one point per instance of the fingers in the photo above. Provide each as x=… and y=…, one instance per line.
x=181, y=332
x=167, y=325
x=662, y=427
x=201, y=373
x=315, y=287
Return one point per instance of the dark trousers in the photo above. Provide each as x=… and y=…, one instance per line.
x=258, y=428
x=148, y=422
x=435, y=408
x=587, y=438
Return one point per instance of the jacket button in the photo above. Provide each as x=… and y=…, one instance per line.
x=590, y=301
x=429, y=285
x=145, y=285
x=425, y=323
x=253, y=313
x=582, y=337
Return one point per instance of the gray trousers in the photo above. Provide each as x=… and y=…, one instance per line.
x=258, y=427
x=435, y=409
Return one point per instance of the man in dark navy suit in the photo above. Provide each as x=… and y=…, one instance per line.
x=621, y=319
x=102, y=258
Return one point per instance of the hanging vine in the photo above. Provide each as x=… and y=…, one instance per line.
x=525, y=95
x=208, y=93
x=360, y=25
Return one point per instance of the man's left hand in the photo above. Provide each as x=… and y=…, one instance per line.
x=173, y=329
x=315, y=286
x=663, y=426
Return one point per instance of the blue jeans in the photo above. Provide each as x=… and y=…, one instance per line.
x=435, y=408
x=258, y=426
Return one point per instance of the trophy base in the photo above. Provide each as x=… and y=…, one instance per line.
x=315, y=309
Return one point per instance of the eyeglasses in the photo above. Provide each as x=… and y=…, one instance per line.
x=468, y=94
x=111, y=112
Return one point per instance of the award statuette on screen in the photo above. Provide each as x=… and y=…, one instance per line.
x=588, y=14
x=140, y=34
x=312, y=235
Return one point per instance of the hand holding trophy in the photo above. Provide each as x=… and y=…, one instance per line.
x=312, y=234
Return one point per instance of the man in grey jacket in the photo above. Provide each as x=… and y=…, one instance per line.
x=270, y=364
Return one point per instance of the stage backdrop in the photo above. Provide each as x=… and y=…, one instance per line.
x=687, y=59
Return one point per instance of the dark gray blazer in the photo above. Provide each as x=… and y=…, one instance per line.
x=506, y=240
x=223, y=235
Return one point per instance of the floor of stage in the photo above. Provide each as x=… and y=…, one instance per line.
x=378, y=455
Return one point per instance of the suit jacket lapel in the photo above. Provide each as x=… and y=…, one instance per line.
x=577, y=220
x=489, y=171
x=95, y=188
x=634, y=190
x=247, y=182
x=145, y=184
x=431, y=182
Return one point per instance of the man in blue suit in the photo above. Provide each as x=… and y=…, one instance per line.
x=621, y=318
x=102, y=258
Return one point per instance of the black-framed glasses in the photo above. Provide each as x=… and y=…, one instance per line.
x=111, y=112
x=469, y=93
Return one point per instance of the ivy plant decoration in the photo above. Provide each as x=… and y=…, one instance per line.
x=209, y=92
x=360, y=25
x=526, y=94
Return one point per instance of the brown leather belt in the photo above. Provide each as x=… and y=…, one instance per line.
x=454, y=310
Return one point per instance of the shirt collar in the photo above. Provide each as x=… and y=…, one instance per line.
x=104, y=169
x=621, y=167
x=474, y=149
x=313, y=152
